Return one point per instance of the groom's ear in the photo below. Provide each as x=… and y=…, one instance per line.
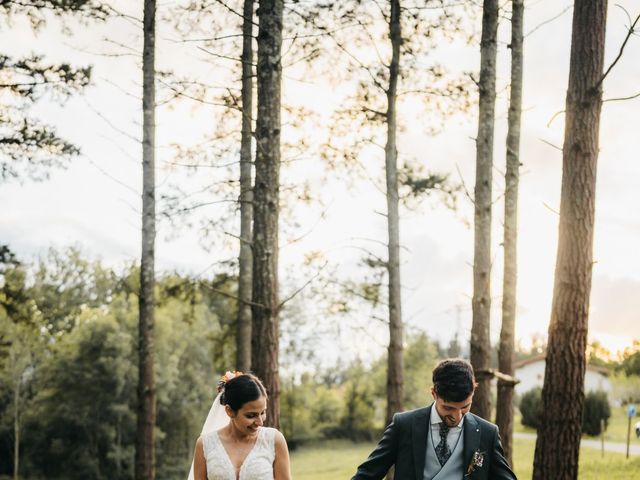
x=433, y=392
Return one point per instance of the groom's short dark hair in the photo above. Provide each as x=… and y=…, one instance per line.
x=453, y=379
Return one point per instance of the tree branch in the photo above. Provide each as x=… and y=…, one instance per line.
x=234, y=297
x=464, y=186
x=566, y=9
x=302, y=287
x=624, y=44
x=618, y=99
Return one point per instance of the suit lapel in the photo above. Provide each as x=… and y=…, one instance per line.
x=471, y=438
x=419, y=432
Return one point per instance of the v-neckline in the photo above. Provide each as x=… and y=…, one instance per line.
x=244, y=461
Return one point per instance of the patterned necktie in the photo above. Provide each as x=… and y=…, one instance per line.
x=443, y=452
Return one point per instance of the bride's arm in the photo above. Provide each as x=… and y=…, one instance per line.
x=199, y=465
x=281, y=467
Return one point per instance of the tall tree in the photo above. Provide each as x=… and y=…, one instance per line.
x=481, y=302
x=145, y=455
x=558, y=443
x=265, y=303
x=504, y=407
x=215, y=21
x=388, y=69
x=18, y=366
x=395, y=349
x=243, y=336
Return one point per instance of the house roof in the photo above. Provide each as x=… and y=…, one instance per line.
x=541, y=358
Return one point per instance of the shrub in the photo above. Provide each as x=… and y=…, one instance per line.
x=596, y=409
x=531, y=407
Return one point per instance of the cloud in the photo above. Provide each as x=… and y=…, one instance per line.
x=615, y=306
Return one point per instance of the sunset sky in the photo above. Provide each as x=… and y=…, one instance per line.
x=93, y=204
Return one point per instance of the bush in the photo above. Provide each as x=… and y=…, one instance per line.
x=626, y=388
x=357, y=420
x=596, y=409
x=531, y=407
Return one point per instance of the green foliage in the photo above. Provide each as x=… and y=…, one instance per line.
x=363, y=390
x=420, y=356
x=65, y=284
x=308, y=409
x=417, y=184
x=35, y=8
x=626, y=388
x=71, y=325
x=82, y=422
x=630, y=364
x=531, y=407
x=357, y=419
x=596, y=409
x=192, y=349
x=598, y=355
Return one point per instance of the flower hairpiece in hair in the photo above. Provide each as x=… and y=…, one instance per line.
x=226, y=377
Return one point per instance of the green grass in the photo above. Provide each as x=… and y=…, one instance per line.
x=614, y=466
x=618, y=424
x=616, y=430
x=328, y=460
x=339, y=459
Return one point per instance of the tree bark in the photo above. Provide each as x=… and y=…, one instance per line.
x=145, y=455
x=481, y=302
x=265, y=335
x=558, y=443
x=504, y=407
x=243, y=335
x=395, y=360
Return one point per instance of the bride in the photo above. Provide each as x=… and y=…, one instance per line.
x=234, y=444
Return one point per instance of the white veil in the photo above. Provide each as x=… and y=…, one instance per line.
x=216, y=419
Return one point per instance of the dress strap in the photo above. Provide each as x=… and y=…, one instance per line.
x=269, y=438
x=210, y=444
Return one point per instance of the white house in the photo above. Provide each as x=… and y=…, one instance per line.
x=530, y=372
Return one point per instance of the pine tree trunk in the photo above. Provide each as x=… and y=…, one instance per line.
x=16, y=429
x=145, y=455
x=243, y=335
x=481, y=302
x=558, y=443
x=395, y=363
x=265, y=335
x=504, y=407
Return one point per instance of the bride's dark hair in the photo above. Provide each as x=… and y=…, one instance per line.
x=242, y=389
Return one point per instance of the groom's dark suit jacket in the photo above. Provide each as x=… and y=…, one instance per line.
x=404, y=444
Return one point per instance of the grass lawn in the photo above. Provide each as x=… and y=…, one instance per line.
x=616, y=430
x=339, y=459
x=618, y=424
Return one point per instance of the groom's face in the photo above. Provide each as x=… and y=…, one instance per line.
x=451, y=412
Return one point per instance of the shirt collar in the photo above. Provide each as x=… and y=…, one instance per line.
x=435, y=419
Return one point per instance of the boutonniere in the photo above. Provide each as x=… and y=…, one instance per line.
x=476, y=462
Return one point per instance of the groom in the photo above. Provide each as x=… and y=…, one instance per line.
x=442, y=441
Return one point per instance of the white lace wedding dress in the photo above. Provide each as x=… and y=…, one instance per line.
x=257, y=466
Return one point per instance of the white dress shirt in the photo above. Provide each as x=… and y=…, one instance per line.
x=452, y=436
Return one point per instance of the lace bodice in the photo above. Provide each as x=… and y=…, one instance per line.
x=257, y=466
